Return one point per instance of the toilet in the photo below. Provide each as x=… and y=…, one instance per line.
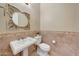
x=42, y=48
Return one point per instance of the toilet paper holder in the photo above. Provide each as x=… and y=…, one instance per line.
x=53, y=42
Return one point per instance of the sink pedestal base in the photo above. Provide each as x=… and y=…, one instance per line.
x=25, y=52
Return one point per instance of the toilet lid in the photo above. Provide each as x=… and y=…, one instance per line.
x=44, y=47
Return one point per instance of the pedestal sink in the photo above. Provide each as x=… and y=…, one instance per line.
x=19, y=45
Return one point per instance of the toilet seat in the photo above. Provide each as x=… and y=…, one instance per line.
x=44, y=47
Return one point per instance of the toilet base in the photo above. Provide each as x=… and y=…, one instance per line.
x=41, y=52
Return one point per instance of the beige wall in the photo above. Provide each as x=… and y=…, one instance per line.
x=22, y=7
x=59, y=17
x=35, y=16
x=77, y=17
x=54, y=16
x=34, y=19
x=2, y=20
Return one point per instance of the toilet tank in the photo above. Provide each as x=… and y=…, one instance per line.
x=38, y=38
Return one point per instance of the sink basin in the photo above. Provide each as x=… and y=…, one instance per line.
x=19, y=45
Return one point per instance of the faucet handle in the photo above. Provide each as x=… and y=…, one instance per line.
x=22, y=37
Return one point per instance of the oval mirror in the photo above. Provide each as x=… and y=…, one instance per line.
x=20, y=19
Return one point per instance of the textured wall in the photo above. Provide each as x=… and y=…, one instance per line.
x=59, y=21
x=6, y=38
x=59, y=17
x=67, y=43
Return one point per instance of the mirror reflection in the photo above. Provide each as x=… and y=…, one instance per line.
x=20, y=19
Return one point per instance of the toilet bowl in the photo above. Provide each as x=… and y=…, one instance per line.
x=42, y=48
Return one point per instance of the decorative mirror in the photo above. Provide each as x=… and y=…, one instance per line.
x=18, y=19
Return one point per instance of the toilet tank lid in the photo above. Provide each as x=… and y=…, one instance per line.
x=44, y=46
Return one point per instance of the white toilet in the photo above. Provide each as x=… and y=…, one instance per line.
x=43, y=48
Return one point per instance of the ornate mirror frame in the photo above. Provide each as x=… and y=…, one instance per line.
x=10, y=24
